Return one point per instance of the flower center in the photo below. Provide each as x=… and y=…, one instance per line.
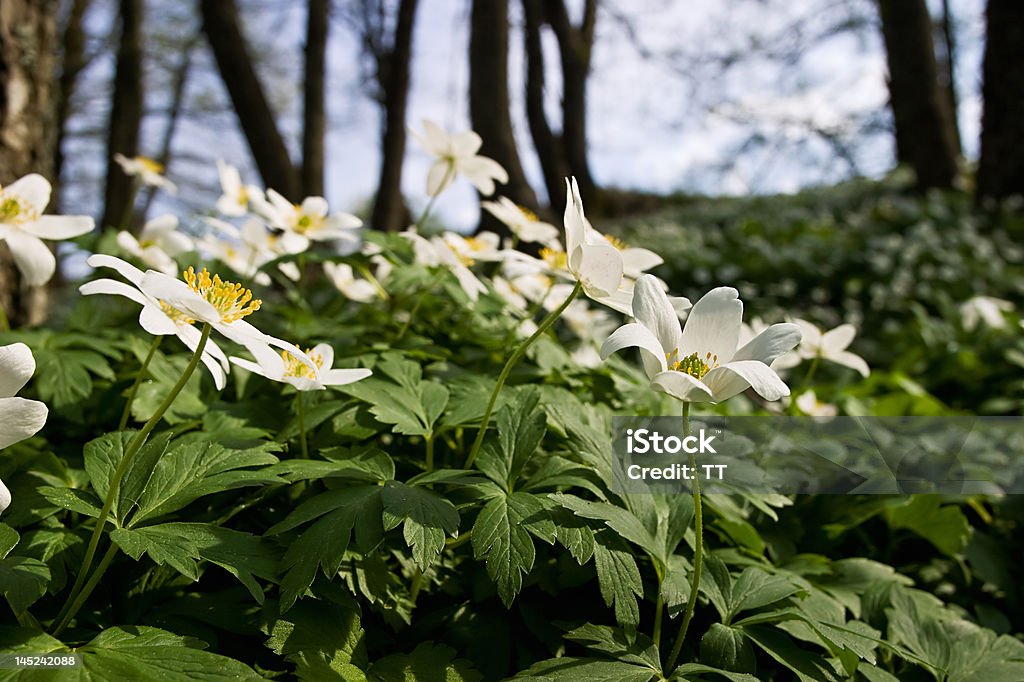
x=616, y=242
x=177, y=317
x=293, y=367
x=528, y=214
x=150, y=165
x=13, y=210
x=232, y=301
x=692, y=364
x=556, y=260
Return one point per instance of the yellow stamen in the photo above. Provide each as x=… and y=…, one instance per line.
x=232, y=301
x=692, y=364
x=555, y=259
x=14, y=210
x=616, y=242
x=528, y=214
x=149, y=164
x=293, y=367
x=177, y=316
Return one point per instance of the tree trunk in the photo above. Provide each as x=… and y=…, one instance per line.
x=125, y=114
x=1001, y=166
x=314, y=120
x=489, y=99
x=575, y=46
x=946, y=58
x=72, y=62
x=549, y=146
x=389, y=210
x=923, y=122
x=221, y=26
x=28, y=44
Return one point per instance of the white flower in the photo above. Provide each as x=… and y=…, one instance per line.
x=810, y=405
x=23, y=226
x=985, y=309
x=523, y=223
x=158, y=244
x=457, y=155
x=150, y=172
x=484, y=247
x=157, y=317
x=287, y=368
x=245, y=250
x=351, y=287
x=19, y=417
x=235, y=198
x=308, y=221
x=700, y=362
x=830, y=345
x=435, y=252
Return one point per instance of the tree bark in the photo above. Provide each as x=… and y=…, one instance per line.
x=549, y=146
x=28, y=44
x=489, y=98
x=221, y=26
x=72, y=62
x=314, y=118
x=393, y=74
x=1001, y=166
x=923, y=122
x=125, y=113
x=946, y=59
x=575, y=45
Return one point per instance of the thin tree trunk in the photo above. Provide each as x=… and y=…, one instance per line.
x=923, y=122
x=947, y=71
x=125, y=112
x=1001, y=166
x=72, y=62
x=489, y=99
x=389, y=210
x=575, y=45
x=28, y=44
x=314, y=119
x=221, y=26
x=549, y=146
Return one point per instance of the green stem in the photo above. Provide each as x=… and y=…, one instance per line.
x=372, y=279
x=70, y=608
x=659, y=607
x=452, y=543
x=89, y=586
x=430, y=452
x=129, y=206
x=5, y=324
x=301, y=410
x=507, y=369
x=416, y=306
x=698, y=550
x=138, y=382
x=433, y=199
x=804, y=384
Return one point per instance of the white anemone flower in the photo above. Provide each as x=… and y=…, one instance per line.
x=156, y=317
x=343, y=277
x=287, y=368
x=810, y=405
x=700, y=362
x=457, y=155
x=158, y=244
x=436, y=252
x=24, y=227
x=830, y=345
x=523, y=223
x=20, y=418
x=307, y=221
x=235, y=197
x=147, y=170
x=484, y=246
x=987, y=309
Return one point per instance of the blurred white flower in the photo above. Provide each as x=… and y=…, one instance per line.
x=523, y=223
x=307, y=221
x=158, y=244
x=20, y=418
x=351, y=287
x=700, y=362
x=287, y=368
x=235, y=198
x=485, y=247
x=147, y=170
x=457, y=155
x=23, y=226
x=830, y=345
x=435, y=252
x=987, y=309
x=810, y=405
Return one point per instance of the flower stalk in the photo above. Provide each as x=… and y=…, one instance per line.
x=138, y=382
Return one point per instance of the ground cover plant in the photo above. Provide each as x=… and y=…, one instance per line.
x=425, y=493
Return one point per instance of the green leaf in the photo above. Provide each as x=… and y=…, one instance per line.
x=618, y=577
x=72, y=499
x=697, y=671
x=617, y=644
x=728, y=648
x=521, y=426
x=755, y=588
x=23, y=581
x=8, y=539
x=622, y=521
x=501, y=535
x=400, y=397
x=427, y=518
x=361, y=464
x=164, y=371
x=322, y=638
x=946, y=527
x=103, y=456
x=573, y=669
x=64, y=375
x=780, y=647
x=428, y=662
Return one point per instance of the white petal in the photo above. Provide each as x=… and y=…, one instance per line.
x=848, y=359
x=637, y=261
x=19, y=419
x=326, y=353
x=435, y=140
x=573, y=216
x=652, y=309
x=314, y=206
x=713, y=325
x=773, y=342
x=124, y=268
x=464, y=144
x=178, y=294
x=787, y=361
x=159, y=225
x=33, y=189
x=57, y=227
x=216, y=371
x=482, y=172
x=5, y=497
x=635, y=335
x=598, y=267
x=682, y=386
x=253, y=367
x=32, y=256
x=16, y=367
x=112, y=287
x=734, y=377
x=439, y=177
x=621, y=301
x=156, y=322
x=340, y=377
x=128, y=242
x=837, y=339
